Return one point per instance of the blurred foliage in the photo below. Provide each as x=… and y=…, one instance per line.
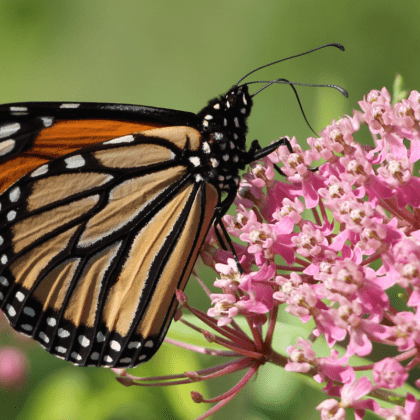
x=179, y=55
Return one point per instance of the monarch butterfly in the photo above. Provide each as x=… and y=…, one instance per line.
x=103, y=210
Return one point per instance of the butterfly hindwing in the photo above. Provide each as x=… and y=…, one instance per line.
x=90, y=242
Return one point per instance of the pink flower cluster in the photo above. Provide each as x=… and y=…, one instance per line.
x=328, y=244
x=325, y=245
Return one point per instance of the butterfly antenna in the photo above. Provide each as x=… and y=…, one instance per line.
x=291, y=84
x=288, y=82
x=339, y=46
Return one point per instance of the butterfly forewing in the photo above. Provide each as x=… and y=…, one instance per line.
x=94, y=243
x=34, y=133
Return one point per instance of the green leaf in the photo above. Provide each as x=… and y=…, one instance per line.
x=398, y=92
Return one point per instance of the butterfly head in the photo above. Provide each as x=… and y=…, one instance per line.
x=228, y=113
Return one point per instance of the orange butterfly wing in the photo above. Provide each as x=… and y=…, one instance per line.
x=99, y=227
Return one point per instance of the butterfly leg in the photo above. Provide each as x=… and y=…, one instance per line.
x=219, y=223
x=258, y=152
x=223, y=236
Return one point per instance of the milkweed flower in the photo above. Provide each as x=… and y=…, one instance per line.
x=326, y=244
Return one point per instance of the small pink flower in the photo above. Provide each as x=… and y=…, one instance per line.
x=224, y=308
x=331, y=410
x=259, y=286
x=302, y=357
x=263, y=175
x=230, y=278
x=388, y=373
x=406, y=332
x=310, y=242
x=352, y=397
x=334, y=369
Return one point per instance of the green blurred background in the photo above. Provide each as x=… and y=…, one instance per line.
x=179, y=54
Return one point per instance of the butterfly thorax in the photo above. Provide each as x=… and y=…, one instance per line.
x=224, y=127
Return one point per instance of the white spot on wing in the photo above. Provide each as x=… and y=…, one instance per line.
x=1, y=296
x=94, y=356
x=60, y=349
x=124, y=139
x=44, y=337
x=4, y=259
x=84, y=341
x=149, y=343
x=28, y=311
x=40, y=171
x=62, y=333
x=6, y=146
x=27, y=327
x=14, y=195
x=126, y=360
x=18, y=109
x=74, y=162
x=133, y=345
x=142, y=357
x=216, y=106
x=115, y=345
x=100, y=337
x=11, y=310
x=11, y=215
x=47, y=121
x=9, y=129
x=69, y=105
x=195, y=160
x=52, y=322
x=4, y=281
x=108, y=359
x=76, y=356
x=199, y=178
x=20, y=296
x=214, y=162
